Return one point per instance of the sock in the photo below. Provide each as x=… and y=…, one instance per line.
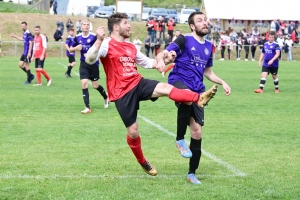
x=28, y=73
x=38, y=76
x=262, y=83
x=102, y=91
x=169, y=67
x=45, y=74
x=195, y=147
x=86, y=97
x=69, y=69
x=183, y=116
x=181, y=96
x=276, y=83
x=23, y=68
x=136, y=147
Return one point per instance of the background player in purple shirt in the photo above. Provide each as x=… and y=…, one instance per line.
x=27, y=52
x=193, y=61
x=83, y=42
x=270, y=53
x=71, y=55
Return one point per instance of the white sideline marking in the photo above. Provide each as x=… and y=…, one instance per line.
x=57, y=176
x=236, y=171
x=206, y=153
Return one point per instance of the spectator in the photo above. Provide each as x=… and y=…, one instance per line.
x=255, y=32
x=217, y=27
x=154, y=29
x=91, y=26
x=137, y=43
x=283, y=28
x=78, y=26
x=69, y=25
x=171, y=24
x=294, y=36
x=277, y=26
x=177, y=33
x=60, y=24
x=254, y=42
x=273, y=25
x=233, y=35
x=216, y=36
x=289, y=43
x=55, y=7
x=167, y=40
x=157, y=45
x=244, y=33
x=280, y=41
x=239, y=45
x=161, y=27
x=58, y=34
x=149, y=26
x=291, y=28
x=262, y=40
x=230, y=44
x=209, y=27
x=246, y=46
x=297, y=27
x=222, y=46
x=147, y=43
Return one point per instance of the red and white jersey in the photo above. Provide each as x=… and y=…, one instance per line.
x=119, y=60
x=39, y=44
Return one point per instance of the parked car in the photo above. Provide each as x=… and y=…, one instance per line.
x=157, y=12
x=145, y=13
x=194, y=8
x=91, y=11
x=104, y=12
x=184, y=15
x=173, y=13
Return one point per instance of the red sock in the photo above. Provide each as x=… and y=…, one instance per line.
x=169, y=67
x=136, y=147
x=182, y=96
x=38, y=75
x=45, y=74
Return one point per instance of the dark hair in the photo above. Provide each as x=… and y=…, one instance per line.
x=272, y=33
x=24, y=23
x=115, y=19
x=37, y=27
x=191, y=18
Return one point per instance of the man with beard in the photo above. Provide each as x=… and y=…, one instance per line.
x=194, y=59
x=126, y=87
x=27, y=53
x=88, y=71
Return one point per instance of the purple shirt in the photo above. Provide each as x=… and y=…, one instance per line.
x=269, y=49
x=193, y=56
x=69, y=42
x=86, y=42
x=27, y=37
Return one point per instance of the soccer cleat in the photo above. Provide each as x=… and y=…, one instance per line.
x=148, y=168
x=49, y=82
x=193, y=179
x=276, y=91
x=246, y=59
x=183, y=149
x=206, y=96
x=31, y=78
x=259, y=91
x=106, y=103
x=86, y=111
x=253, y=59
x=163, y=74
x=68, y=75
x=38, y=84
x=26, y=82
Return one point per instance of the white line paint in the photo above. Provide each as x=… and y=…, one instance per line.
x=89, y=176
x=236, y=171
x=206, y=153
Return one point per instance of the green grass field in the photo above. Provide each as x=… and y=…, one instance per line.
x=48, y=150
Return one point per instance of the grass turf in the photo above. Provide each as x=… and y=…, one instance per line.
x=48, y=150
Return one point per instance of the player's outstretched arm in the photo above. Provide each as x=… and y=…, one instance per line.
x=210, y=75
x=93, y=53
x=14, y=36
x=163, y=58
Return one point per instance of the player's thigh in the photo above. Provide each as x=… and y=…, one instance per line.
x=94, y=73
x=145, y=89
x=84, y=72
x=274, y=71
x=162, y=89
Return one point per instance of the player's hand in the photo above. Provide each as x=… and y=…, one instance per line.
x=12, y=35
x=42, y=58
x=79, y=47
x=227, y=89
x=170, y=57
x=100, y=33
x=28, y=55
x=270, y=62
x=160, y=66
x=32, y=59
x=259, y=64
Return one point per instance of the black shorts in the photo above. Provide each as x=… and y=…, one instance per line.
x=87, y=71
x=39, y=63
x=196, y=112
x=272, y=70
x=25, y=59
x=71, y=59
x=129, y=104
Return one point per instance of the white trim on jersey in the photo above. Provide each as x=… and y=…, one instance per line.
x=143, y=60
x=44, y=41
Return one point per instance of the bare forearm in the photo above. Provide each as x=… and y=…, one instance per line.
x=18, y=38
x=261, y=57
x=214, y=78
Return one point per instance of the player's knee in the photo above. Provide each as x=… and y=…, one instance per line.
x=133, y=131
x=95, y=86
x=196, y=133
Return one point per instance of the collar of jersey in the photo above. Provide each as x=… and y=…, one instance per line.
x=201, y=42
x=86, y=36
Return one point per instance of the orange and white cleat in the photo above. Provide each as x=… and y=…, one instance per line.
x=259, y=91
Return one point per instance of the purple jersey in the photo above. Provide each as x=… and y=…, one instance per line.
x=86, y=42
x=27, y=37
x=69, y=42
x=193, y=56
x=269, y=49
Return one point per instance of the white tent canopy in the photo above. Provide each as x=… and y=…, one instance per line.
x=252, y=9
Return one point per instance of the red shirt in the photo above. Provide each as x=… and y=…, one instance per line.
x=171, y=25
x=293, y=36
x=154, y=25
x=119, y=61
x=39, y=44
